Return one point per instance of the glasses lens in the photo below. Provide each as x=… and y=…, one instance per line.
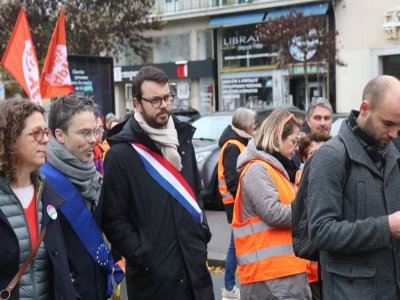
x=47, y=132
x=156, y=103
x=97, y=132
x=169, y=99
x=38, y=134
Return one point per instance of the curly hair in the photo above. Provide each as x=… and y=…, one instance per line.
x=306, y=141
x=13, y=113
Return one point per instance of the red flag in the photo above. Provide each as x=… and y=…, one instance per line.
x=55, y=80
x=20, y=59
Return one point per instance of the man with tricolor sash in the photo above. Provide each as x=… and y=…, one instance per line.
x=153, y=215
x=72, y=172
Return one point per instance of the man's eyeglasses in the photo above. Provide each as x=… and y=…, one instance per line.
x=156, y=101
x=88, y=134
x=39, y=133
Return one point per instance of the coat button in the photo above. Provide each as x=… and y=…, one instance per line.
x=183, y=152
x=181, y=280
x=54, y=252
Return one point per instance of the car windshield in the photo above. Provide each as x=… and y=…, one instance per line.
x=211, y=127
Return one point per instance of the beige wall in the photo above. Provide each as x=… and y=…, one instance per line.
x=361, y=41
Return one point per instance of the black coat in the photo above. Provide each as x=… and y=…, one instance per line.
x=9, y=251
x=231, y=154
x=165, y=248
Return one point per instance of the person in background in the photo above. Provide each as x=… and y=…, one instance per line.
x=354, y=193
x=28, y=206
x=71, y=170
x=153, y=212
x=267, y=266
x=98, y=150
x=319, y=117
x=104, y=145
x=310, y=143
x=232, y=141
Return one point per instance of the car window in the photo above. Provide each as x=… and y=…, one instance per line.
x=211, y=127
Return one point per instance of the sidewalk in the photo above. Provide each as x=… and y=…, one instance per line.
x=221, y=232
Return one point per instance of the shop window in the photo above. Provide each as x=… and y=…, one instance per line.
x=253, y=92
x=240, y=48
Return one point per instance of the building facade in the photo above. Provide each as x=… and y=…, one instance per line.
x=215, y=61
x=369, y=43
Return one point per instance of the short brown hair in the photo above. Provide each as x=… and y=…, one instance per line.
x=13, y=113
x=147, y=74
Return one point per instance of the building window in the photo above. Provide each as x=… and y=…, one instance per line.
x=171, y=48
x=391, y=65
x=205, y=45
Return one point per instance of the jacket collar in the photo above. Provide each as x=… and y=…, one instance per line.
x=358, y=154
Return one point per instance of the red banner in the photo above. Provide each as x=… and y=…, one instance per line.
x=55, y=80
x=20, y=59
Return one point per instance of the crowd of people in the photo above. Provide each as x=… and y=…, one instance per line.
x=72, y=186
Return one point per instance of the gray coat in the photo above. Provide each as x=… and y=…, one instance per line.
x=349, y=225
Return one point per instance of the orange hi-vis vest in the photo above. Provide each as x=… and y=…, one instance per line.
x=264, y=252
x=227, y=197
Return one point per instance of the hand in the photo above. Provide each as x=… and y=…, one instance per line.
x=394, y=225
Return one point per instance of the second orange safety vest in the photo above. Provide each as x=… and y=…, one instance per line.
x=227, y=197
x=265, y=252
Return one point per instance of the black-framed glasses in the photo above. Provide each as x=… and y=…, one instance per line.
x=38, y=134
x=88, y=134
x=157, y=101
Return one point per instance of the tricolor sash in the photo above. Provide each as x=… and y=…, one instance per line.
x=82, y=222
x=170, y=179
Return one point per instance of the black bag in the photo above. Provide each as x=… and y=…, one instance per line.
x=302, y=245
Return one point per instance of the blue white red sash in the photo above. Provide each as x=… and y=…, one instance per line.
x=82, y=222
x=170, y=179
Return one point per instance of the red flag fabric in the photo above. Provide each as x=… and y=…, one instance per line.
x=20, y=59
x=55, y=80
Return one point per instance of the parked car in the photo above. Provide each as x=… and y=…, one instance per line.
x=187, y=115
x=205, y=142
x=338, y=118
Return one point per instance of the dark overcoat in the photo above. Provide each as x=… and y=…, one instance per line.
x=165, y=247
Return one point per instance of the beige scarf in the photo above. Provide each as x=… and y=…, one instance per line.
x=241, y=133
x=165, y=138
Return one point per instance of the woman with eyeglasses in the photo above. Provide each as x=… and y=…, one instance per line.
x=267, y=266
x=28, y=207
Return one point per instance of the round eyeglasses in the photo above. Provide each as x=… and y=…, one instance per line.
x=88, y=134
x=38, y=134
x=156, y=102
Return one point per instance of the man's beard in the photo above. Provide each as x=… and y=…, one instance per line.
x=152, y=121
